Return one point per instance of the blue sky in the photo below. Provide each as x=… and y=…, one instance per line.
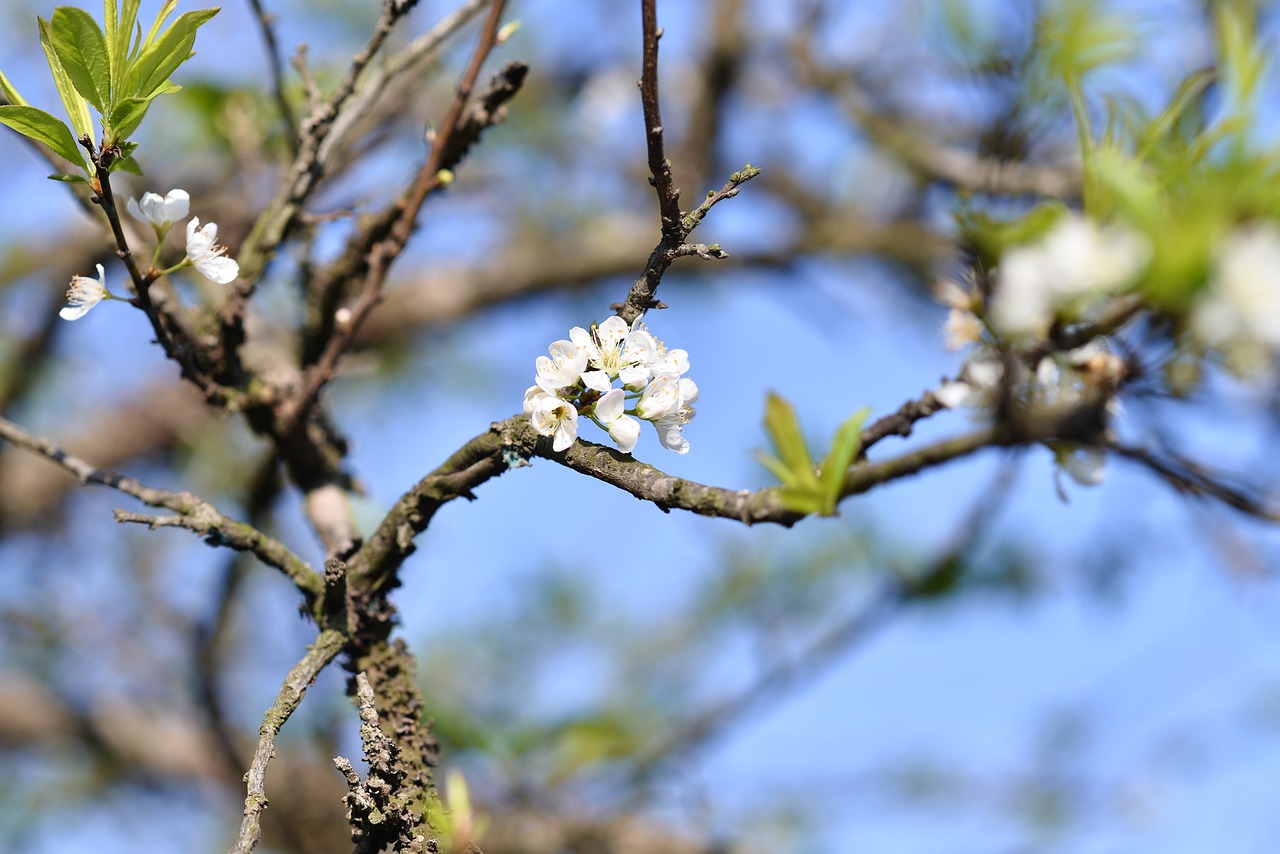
x=1169, y=686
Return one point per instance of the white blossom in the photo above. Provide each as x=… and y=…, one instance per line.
x=1240, y=312
x=579, y=375
x=562, y=369
x=207, y=255
x=660, y=398
x=671, y=434
x=623, y=429
x=160, y=212
x=1077, y=258
x=83, y=294
x=552, y=416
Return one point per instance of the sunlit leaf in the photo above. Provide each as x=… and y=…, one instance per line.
x=844, y=449
x=82, y=49
x=161, y=58
x=72, y=102
x=36, y=124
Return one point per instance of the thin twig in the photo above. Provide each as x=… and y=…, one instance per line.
x=194, y=513
x=643, y=293
x=265, y=26
x=1189, y=478
x=326, y=647
x=659, y=166
x=282, y=213
x=431, y=177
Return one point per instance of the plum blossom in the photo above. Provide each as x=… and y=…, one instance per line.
x=552, y=416
x=83, y=294
x=1075, y=260
x=578, y=378
x=562, y=369
x=160, y=212
x=623, y=429
x=207, y=256
x=1086, y=465
x=1240, y=311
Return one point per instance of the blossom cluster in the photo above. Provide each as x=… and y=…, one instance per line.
x=577, y=379
x=160, y=212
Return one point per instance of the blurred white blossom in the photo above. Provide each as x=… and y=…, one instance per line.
x=1239, y=313
x=1076, y=259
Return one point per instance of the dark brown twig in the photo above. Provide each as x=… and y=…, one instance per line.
x=266, y=26
x=659, y=166
x=431, y=176
x=1189, y=478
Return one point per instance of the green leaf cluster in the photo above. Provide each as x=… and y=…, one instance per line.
x=1185, y=175
x=118, y=72
x=808, y=488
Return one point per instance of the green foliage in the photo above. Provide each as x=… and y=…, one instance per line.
x=807, y=488
x=36, y=124
x=116, y=71
x=1182, y=178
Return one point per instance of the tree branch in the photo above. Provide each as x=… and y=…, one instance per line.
x=324, y=650
x=194, y=513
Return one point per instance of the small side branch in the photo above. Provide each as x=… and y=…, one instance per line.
x=643, y=293
x=324, y=650
x=194, y=513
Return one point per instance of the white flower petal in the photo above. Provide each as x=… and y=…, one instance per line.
x=625, y=431
x=206, y=255
x=83, y=294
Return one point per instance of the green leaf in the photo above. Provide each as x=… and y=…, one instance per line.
x=119, y=22
x=36, y=124
x=11, y=93
x=69, y=179
x=126, y=117
x=844, y=449
x=75, y=105
x=160, y=58
x=163, y=15
x=82, y=49
x=806, y=502
x=784, y=431
x=125, y=164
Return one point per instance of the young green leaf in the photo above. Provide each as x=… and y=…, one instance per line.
x=844, y=449
x=126, y=117
x=82, y=49
x=784, y=431
x=125, y=164
x=69, y=179
x=11, y=93
x=119, y=22
x=163, y=15
x=72, y=102
x=36, y=124
x=162, y=57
